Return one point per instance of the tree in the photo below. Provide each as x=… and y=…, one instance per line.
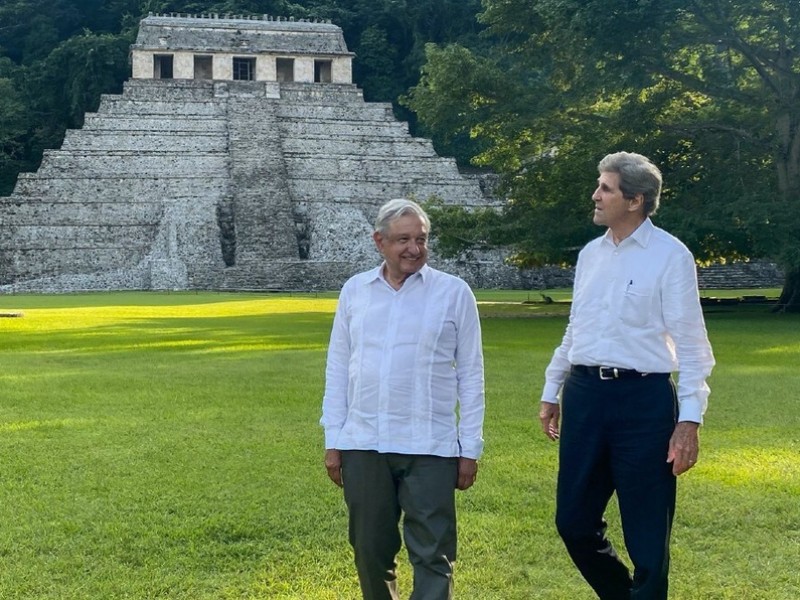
x=375, y=66
x=13, y=127
x=708, y=88
x=57, y=58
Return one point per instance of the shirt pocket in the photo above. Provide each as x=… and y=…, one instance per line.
x=636, y=304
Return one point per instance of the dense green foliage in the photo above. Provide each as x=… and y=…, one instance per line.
x=709, y=89
x=58, y=56
x=167, y=446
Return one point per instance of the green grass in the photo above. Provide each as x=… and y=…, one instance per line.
x=166, y=446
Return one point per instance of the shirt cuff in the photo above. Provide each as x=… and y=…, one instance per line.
x=550, y=392
x=690, y=410
x=471, y=448
x=331, y=435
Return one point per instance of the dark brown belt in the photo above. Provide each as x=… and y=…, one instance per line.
x=609, y=373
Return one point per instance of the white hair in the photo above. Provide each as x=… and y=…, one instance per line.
x=394, y=209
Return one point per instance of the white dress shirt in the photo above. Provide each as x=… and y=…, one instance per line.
x=636, y=306
x=400, y=364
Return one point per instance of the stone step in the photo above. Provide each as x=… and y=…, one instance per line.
x=55, y=213
x=83, y=141
x=94, y=238
x=333, y=129
x=113, y=105
x=312, y=113
x=45, y=262
x=289, y=275
x=177, y=89
x=753, y=274
x=361, y=148
x=376, y=193
x=322, y=94
x=385, y=168
x=156, y=163
x=86, y=188
x=206, y=124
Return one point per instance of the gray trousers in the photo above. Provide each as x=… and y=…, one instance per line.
x=379, y=489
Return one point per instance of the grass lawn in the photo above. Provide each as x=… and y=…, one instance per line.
x=166, y=446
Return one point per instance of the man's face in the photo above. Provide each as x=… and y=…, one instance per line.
x=611, y=209
x=404, y=246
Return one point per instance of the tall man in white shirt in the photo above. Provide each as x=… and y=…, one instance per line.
x=624, y=427
x=403, y=407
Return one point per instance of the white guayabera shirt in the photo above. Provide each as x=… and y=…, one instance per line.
x=635, y=306
x=405, y=367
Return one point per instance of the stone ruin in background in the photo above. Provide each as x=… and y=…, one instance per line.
x=239, y=156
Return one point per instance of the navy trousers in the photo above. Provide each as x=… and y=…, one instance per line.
x=378, y=489
x=614, y=438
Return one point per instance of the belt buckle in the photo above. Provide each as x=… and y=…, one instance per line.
x=608, y=373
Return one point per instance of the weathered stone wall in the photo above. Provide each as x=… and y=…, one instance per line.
x=235, y=185
x=127, y=202
x=238, y=185
x=743, y=275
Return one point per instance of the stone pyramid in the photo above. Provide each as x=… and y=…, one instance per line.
x=182, y=183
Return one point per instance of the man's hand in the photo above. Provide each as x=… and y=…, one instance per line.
x=467, y=473
x=333, y=463
x=549, y=413
x=684, y=446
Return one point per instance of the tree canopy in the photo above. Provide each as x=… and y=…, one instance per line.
x=707, y=88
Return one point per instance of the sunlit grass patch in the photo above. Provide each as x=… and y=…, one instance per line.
x=167, y=446
x=40, y=424
x=754, y=466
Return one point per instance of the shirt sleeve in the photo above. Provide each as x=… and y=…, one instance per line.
x=556, y=372
x=683, y=318
x=334, y=401
x=469, y=371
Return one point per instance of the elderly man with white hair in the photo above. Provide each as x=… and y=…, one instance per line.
x=403, y=408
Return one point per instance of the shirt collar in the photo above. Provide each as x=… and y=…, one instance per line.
x=376, y=274
x=641, y=234
x=373, y=275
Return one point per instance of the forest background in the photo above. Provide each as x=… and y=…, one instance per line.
x=533, y=90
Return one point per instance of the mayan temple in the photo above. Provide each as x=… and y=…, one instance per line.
x=240, y=155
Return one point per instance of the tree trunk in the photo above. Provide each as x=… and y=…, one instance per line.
x=790, y=295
